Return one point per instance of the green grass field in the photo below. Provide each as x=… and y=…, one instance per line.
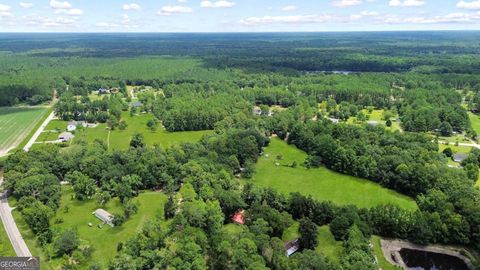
x=120, y=139
x=475, y=121
x=104, y=240
x=321, y=183
x=6, y=249
x=16, y=124
x=327, y=245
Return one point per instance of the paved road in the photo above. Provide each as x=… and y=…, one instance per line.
x=38, y=132
x=13, y=233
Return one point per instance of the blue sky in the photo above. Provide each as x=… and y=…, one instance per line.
x=236, y=15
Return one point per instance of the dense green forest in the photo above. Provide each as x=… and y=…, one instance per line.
x=303, y=88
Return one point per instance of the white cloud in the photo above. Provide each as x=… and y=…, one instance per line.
x=347, y=3
x=217, y=4
x=369, y=13
x=47, y=22
x=406, y=3
x=5, y=11
x=132, y=6
x=182, y=1
x=300, y=19
x=60, y=5
x=449, y=18
x=289, y=8
x=26, y=5
x=169, y=10
x=468, y=5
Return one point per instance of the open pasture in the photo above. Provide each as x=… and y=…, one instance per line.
x=320, y=183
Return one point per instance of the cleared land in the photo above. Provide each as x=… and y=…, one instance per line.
x=75, y=214
x=16, y=123
x=321, y=183
x=377, y=115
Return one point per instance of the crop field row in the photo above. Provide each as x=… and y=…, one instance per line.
x=15, y=125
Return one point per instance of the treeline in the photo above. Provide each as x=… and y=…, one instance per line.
x=408, y=163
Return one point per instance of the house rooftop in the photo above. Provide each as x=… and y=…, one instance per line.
x=239, y=217
x=292, y=247
x=459, y=157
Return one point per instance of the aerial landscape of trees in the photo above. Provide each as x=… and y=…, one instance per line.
x=250, y=90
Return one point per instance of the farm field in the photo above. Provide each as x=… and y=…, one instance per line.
x=320, y=183
x=16, y=123
x=76, y=214
x=6, y=249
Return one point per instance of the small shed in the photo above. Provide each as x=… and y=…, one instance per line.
x=104, y=216
x=459, y=157
x=65, y=136
x=292, y=247
x=239, y=217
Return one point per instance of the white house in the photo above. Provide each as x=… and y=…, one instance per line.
x=104, y=216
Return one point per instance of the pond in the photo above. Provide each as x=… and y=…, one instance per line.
x=423, y=260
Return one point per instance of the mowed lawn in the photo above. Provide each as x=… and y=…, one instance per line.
x=475, y=120
x=321, y=183
x=16, y=123
x=6, y=249
x=120, y=139
x=78, y=214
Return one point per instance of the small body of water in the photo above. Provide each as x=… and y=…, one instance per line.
x=423, y=260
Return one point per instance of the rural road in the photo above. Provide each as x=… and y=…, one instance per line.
x=13, y=233
x=464, y=144
x=38, y=132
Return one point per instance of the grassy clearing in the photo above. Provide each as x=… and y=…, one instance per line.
x=120, y=139
x=377, y=115
x=327, y=245
x=104, y=240
x=6, y=249
x=321, y=183
x=475, y=121
x=48, y=136
x=16, y=123
x=57, y=125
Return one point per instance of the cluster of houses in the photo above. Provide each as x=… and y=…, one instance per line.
x=291, y=247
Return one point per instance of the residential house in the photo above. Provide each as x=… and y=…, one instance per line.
x=104, y=216
x=292, y=247
x=459, y=157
